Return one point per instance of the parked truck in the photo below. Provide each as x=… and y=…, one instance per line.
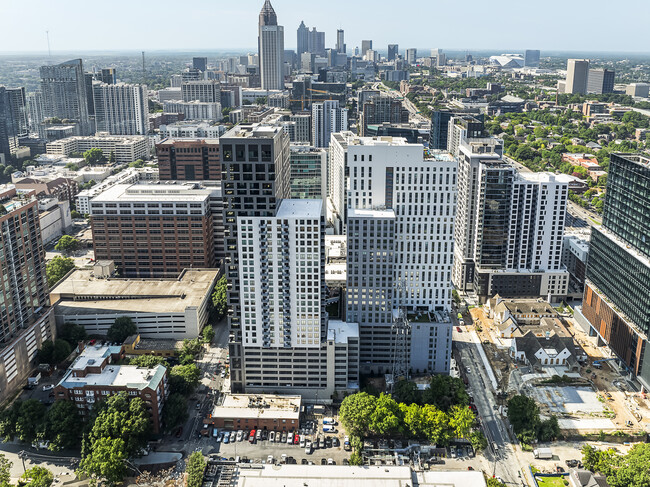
x=34, y=378
x=543, y=453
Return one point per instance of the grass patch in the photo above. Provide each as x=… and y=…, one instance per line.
x=594, y=221
x=550, y=481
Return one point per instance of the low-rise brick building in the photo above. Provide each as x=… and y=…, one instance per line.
x=93, y=377
x=253, y=411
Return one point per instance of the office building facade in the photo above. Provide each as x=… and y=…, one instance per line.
x=393, y=52
x=121, y=109
x=601, y=81
x=577, y=76
x=200, y=63
x=308, y=172
x=206, y=91
x=189, y=160
x=618, y=272
x=531, y=58
x=380, y=109
x=411, y=55
x=155, y=230
x=327, y=118
x=340, y=41
x=64, y=93
x=271, y=49
x=366, y=45
x=303, y=39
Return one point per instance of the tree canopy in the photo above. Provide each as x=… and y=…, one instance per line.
x=208, y=334
x=184, y=378
x=54, y=352
x=220, y=297
x=175, y=411
x=94, y=156
x=630, y=470
x=445, y=391
x=67, y=244
x=38, y=477
x=121, y=329
x=57, y=268
x=195, y=469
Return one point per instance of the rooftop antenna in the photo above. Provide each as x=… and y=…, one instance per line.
x=49, y=52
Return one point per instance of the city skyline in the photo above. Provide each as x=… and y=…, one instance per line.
x=239, y=32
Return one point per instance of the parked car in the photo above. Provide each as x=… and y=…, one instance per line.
x=329, y=429
x=239, y=435
x=308, y=448
x=302, y=441
x=323, y=461
x=269, y=460
x=329, y=421
x=336, y=442
x=226, y=438
x=219, y=437
x=303, y=461
x=296, y=439
x=251, y=437
x=346, y=444
x=48, y=387
x=258, y=434
x=284, y=437
x=328, y=442
x=272, y=436
x=458, y=329
x=265, y=435
x=290, y=438
x=330, y=461
x=321, y=442
x=233, y=436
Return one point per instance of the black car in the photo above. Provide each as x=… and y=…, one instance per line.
x=336, y=442
x=328, y=442
x=265, y=435
x=346, y=462
x=303, y=461
x=323, y=461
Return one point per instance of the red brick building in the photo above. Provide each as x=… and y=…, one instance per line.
x=189, y=160
x=93, y=376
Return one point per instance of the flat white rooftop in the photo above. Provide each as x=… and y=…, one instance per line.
x=258, y=406
x=546, y=177
x=297, y=208
x=136, y=193
x=341, y=331
x=94, y=355
x=343, y=476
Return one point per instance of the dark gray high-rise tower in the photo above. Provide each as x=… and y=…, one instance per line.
x=393, y=50
x=340, y=41
x=303, y=38
x=256, y=177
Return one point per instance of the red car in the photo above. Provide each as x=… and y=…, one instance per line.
x=251, y=438
x=296, y=439
x=458, y=329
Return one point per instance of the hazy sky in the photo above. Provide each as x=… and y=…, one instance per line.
x=567, y=25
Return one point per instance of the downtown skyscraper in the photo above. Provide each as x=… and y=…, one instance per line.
x=271, y=49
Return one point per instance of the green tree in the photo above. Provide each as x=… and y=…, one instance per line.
x=23, y=420
x=5, y=471
x=386, y=418
x=523, y=414
x=549, y=429
x=407, y=392
x=121, y=417
x=57, y=268
x=38, y=477
x=436, y=425
x=195, y=469
x=148, y=361
x=175, y=411
x=67, y=244
x=220, y=297
x=633, y=469
x=184, y=378
x=73, y=333
x=190, y=351
x=445, y=391
x=356, y=411
x=111, y=157
x=62, y=426
x=461, y=419
x=54, y=353
x=208, y=334
x=492, y=482
x=414, y=419
x=356, y=459
x=121, y=329
x=478, y=440
x=105, y=460
x=93, y=156
x=76, y=215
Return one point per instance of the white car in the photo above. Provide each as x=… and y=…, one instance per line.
x=48, y=387
x=220, y=437
x=269, y=460
x=272, y=436
x=240, y=435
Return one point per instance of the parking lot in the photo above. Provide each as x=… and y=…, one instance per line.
x=259, y=451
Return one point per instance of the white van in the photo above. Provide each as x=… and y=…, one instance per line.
x=329, y=429
x=329, y=421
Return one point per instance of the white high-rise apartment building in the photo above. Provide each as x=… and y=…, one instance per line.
x=401, y=202
x=121, y=109
x=282, y=277
x=271, y=49
x=327, y=118
x=577, y=76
